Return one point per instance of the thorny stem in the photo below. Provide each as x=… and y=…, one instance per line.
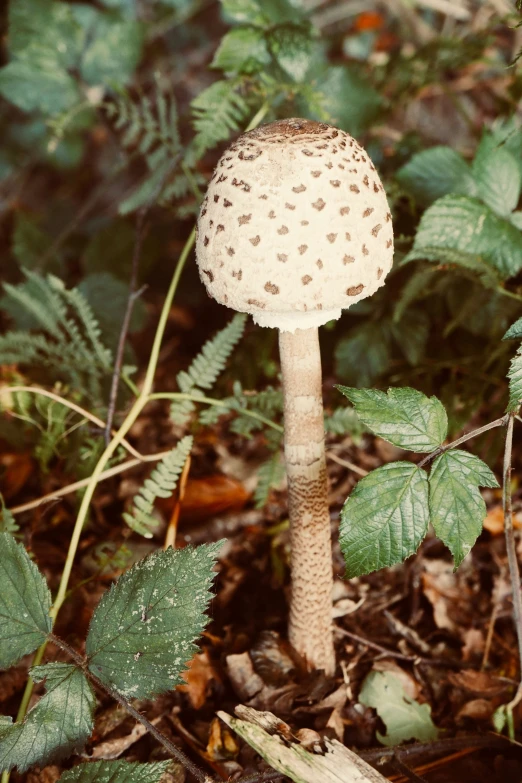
x=473, y=434
x=217, y=403
x=133, y=295
x=511, y=549
x=178, y=754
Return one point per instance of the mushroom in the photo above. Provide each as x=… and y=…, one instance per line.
x=295, y=227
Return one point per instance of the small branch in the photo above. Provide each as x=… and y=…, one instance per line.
x=70, y=488
x=133, y=295
x=156, y=733
x=72, y=405
x=346, y=464
x=511, y=547
x=473, y=434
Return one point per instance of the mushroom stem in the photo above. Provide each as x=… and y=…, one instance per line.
x=310, y=630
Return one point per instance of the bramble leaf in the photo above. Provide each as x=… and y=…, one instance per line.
x=385, y=518
x=25, y=602
x=242, y=50
x=404, y=416
x=497, y=175
x=57, y=726
x=465, y=224
x=143, y=630
x=363, y=354
x=457, y=509
x=434, y=173
x=515, y=331
x=515, y=382
x=404, y=718
x=115, y=772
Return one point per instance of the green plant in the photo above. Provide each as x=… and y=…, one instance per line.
x=141, y=635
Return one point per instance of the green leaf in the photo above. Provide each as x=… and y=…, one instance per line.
x=269, y=475
x=434, y=173
x=465, y=224
x=515, y=382
x=385, y=518
x=497, y=175
x=57, y=726
x=38, y=85
x=344, y=98
x=411, y=334
x=25, y=602
x=115, y=772
x=403, y=416
x=457, y=509
x=243, y=50
x=364, y=354
x=143, y=630
x=403, y=717
x=292, y=49
x=113, y=51
x=218, y=111
x=245, y=11
x=50, y=26
x=515, y=331
x=516, y=219
x=108, y=296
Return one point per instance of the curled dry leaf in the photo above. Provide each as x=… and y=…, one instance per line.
x=199, y=675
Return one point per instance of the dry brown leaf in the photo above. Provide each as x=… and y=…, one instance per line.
x=478, y=709
x=206, y=497
x=477, y=683
x=221, y=742
x=199, y=674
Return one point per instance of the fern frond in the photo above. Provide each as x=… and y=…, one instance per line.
x=209, y=363
x=269, y=475
x=181, y=411
x=217, y=112
x=161, y=484
x=344, y=421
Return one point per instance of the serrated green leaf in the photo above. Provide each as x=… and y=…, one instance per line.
x=497, y=175
x=242, y=50
x=457, y=509
x=515, y=382
x=113, y=50
x=466, y=263
x=403, y=717
x=38, y=85
x=403, y=416
x=115, y=772
x=245, y=11
x=143, y=630
x=515, y=331
x=385, y=518
x=466, y=225
x=46, y=24
x=343, y=97
x=292, y=49
x=364, y=355
x=434, y=173
x=57, y=726
x=25, y=602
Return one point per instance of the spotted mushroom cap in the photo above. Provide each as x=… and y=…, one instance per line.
x=295, y=225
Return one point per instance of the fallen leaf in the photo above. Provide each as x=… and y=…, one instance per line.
x=206, y=497
x=478, y=709
x=199, y=674
x=221, y=742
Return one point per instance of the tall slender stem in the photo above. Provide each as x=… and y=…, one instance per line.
x=514, y=572
x=310, y=626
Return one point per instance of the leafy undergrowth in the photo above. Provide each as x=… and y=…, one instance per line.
x=434, y=650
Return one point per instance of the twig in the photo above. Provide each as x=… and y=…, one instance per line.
x=72, y=405
x=346, y=464
x=473, y=434
x=70, y=488
x=380, y=756
x=374, y=645
x=133, y=295
x=178, y=754
x=514, y=573
x=401, y=767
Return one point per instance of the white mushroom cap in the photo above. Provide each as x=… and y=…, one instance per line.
x=295, y=225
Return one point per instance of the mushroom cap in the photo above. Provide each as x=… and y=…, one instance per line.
x=295, y=225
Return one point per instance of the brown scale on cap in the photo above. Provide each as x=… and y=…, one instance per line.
x=279, y=213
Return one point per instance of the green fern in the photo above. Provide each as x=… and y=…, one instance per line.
x=344, y=421
x=217, y=112
x=269, y=475
x=66, y=339
x=206, y=367
x=161, y=484
x=150, y=126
